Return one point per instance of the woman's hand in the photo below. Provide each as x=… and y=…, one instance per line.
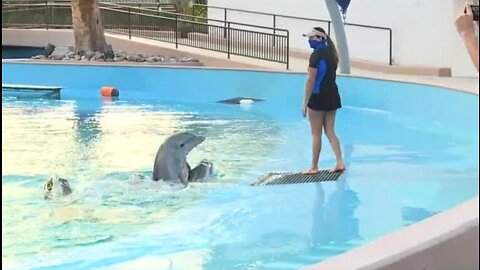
x=464, y=22
x=304, y=110
x=466, y=29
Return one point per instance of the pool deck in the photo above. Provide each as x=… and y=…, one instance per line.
x=299, y=64
x=469, y=85
x=211, y=59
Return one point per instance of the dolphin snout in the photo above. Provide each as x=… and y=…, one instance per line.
x=195, y=141
x=200, y=139
x=192, y=142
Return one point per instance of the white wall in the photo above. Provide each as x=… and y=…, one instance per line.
x=423, y=30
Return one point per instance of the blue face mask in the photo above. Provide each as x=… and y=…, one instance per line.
x=315, y=44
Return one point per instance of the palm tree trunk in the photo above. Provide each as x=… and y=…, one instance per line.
x=87, y=26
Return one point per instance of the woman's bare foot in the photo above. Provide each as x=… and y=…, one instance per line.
x=311, y=171
x=338, y=168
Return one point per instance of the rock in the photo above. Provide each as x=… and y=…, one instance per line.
x=98, y=56
x=49, y=49
x=119, y=58
x=38, y=56
x=56, y=56
x=59, y=53
x=121, y=54
x=159, y=58
x=132, y=58
x=89, y=54
x=109, y=54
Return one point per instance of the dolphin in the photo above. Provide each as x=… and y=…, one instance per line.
x=202, y=171
x=171, y=160
x=55, y=187
x=170, y=165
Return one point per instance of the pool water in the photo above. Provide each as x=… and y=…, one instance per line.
x=402, y=168
x=13, y=52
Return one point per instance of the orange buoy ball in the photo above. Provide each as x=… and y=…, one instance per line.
x=109, y=91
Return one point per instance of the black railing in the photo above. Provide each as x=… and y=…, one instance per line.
x=156, y=5
x=36, y=15
x=276, y=16
x=193, y=18
x=215, y=35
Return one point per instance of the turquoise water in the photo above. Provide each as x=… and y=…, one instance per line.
x=408, y=158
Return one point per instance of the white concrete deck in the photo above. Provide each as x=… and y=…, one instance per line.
x=298, y=64
x=40, y=37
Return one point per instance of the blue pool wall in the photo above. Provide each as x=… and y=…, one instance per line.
x=282, y=90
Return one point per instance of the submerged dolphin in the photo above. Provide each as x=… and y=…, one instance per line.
x=171, y=160
x=56, y=187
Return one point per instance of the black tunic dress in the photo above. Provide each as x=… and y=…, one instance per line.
x=325, y=96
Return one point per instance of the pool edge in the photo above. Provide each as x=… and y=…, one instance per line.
x=448, y=240
x=255, y=70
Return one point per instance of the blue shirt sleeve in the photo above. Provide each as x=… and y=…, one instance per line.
x=321, y=70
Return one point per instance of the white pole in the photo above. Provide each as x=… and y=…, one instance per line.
x=340, y=35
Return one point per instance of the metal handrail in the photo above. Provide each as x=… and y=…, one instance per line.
x=238, y=41
x=275, y=16
x=113, y=5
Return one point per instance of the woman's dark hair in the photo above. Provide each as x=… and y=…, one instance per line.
x=331, y=45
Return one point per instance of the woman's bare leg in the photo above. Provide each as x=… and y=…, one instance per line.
x=316, y=119
x=329, y=126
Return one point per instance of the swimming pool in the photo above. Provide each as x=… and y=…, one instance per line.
x=12, y=52
x=411, y=151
